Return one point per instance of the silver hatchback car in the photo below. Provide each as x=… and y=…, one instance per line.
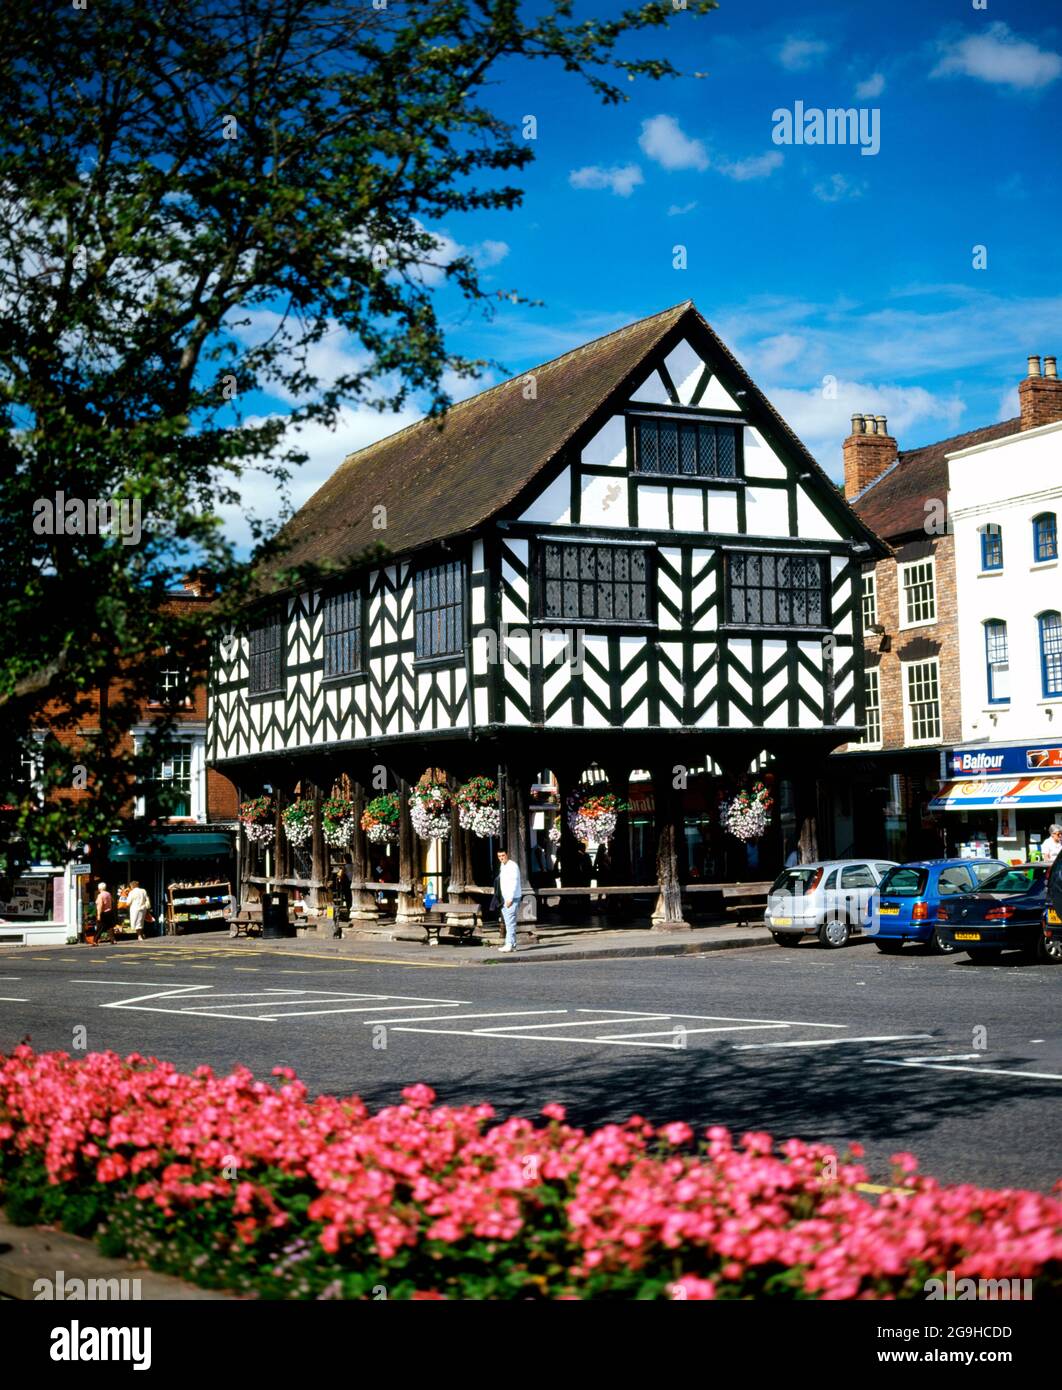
x=830, y=899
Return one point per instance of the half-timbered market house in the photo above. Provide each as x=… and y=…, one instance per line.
x=623, y=561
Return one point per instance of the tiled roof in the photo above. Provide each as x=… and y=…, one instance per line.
x=893, y=504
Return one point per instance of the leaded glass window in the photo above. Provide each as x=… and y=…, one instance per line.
x=588, y=583
x=770, y=590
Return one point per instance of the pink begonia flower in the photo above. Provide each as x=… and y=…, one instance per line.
x=553, y=1111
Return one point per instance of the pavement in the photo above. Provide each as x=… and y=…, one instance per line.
x=959, y=1064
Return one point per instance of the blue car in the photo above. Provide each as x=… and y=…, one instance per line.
x=911, y=893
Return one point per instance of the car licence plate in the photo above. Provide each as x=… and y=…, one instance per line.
x=1053, y=917
x=886, y=911
x=967, y=936
x=782, y=921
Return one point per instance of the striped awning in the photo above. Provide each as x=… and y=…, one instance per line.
x=963, y=794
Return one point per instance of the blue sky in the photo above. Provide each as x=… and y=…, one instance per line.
x=811, y=261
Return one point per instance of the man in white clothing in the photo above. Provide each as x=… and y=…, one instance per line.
x=1052, y=845
x=509, y=890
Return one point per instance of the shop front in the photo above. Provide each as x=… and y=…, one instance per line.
x=1001, y=800
x=45, y=905
x=182, y=871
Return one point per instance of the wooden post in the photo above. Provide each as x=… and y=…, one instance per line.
x=362, y=903
x=516, y=839
x=318, y=858
x=667, y=915
x=460, y=861
x=619, y=850
x=410, y=905
x=567, y=858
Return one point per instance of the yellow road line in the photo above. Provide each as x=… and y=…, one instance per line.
x=876, y=1189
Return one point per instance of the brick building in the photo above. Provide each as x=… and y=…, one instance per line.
x=878, y=793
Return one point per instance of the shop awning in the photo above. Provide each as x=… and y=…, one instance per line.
x=205, y=845
x=963, y=794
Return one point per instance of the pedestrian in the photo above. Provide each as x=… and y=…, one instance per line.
x=139, y=905
x=104, y=914
x=509, y=890
x=1052, y=845
x=792, y=857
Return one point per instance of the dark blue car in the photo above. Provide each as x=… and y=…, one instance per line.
x=1007, y=913
x=911, y=893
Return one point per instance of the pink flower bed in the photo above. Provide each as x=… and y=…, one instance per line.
x=257, y=1185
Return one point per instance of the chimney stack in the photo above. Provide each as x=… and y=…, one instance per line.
x=868, y=451
x=1040, y=396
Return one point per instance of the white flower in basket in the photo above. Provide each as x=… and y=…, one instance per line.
x=428, y=824
x=554, y=834
x=298, y=833
x=747, y=821
x=339, y=834
x=262, y=832
x=381, y=834
x=600, y=829
x=481, y=819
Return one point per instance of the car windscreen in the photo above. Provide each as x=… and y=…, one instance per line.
x=904, y=882
x=796, y=880
x=1019, y=880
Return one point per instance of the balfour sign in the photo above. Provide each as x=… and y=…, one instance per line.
x=981, y=762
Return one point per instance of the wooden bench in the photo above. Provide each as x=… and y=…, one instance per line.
x=436, y=915
x=746, y=903
x=246, y=921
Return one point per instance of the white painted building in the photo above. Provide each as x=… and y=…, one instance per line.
x=1005, y=507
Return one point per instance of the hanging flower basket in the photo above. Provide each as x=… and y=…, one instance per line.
x=592, y=814
x=298, y=822
x=477, y=807
x=555, y=832
x=748, y=814
x=379, y=820
x=337, y=821
x=256, y=817
x=429, y=806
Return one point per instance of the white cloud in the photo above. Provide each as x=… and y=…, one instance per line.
x=488, y=253
x=798, y=54
x=620, y=179
x=680, y=210
x=759, y=166
x=778, y=351
x=838, y=189
x=870, y=87
x=998, y=56
x=664, y=141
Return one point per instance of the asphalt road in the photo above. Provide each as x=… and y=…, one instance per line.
x=960, y=1065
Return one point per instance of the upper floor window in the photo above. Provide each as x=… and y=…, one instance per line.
x=173, y=779
x=997, y=661
x=1045, y=537
x=870, y=599
x=266, y=667
x=685, y=448
x=918, y=587
x=872, y=706
x=1051, y=653
x=439, y=609
x=921, y=700
x=587, y=583
x=772, y=590
x=342, y=633
x=171, y=684
x=992, y=547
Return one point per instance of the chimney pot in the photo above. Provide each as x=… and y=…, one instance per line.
x=1040, y=396
x=1050, y=367
x=867, y=452
x=882, y=424
x=857, y=424
x=1034, y=366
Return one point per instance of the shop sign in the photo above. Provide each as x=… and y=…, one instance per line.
x=990, y=762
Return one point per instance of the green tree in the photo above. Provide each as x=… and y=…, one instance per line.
x=171, y=172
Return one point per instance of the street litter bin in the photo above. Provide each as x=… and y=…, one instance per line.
x=275, y=916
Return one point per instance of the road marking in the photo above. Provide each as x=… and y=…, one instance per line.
x=10, y=999
x=730, y=1028
x=578, y=1023
x=977, y=1071
x=531, y=1037
x=727, y=1018
x=876, y=1189
x=833, y=1042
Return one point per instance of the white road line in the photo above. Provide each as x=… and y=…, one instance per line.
x=686, y=1032
x=977, y=1071
x=512, y=1013
x=577, y=1023
x=530, y=1037
x=354, y=1009
x=832, y=1042
x=726, y=1018
x=10, y=999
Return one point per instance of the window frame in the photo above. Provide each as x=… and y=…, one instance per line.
x=869, y=591
x=991, y=663
x=1048, y=692
x=1040, y=528
x=448, y=658
x=906, y=670
x=275, y=619
x=906, y=623
x=356, y=594
x=540, y=618
x=678, y=418
x=868, y=672
x=995, y=530
x=727, y=624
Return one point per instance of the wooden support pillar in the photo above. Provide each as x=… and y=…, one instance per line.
x=568, y=857
x=667, y=915
x=363, y=906
x=318, y=894
x=410, y=904
x=460, y=862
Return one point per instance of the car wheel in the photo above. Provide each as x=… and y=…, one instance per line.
x=889, y=948
x=937, y=946
x=988, y=956
x=1049, y=949
x=785, y=938
x=834, y=934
